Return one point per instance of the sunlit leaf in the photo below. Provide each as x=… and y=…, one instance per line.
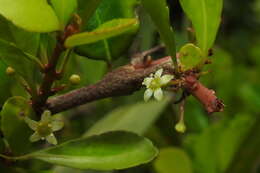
x=173, y=160
x=112, y=48
x=64, y=10
x=109, y=151
x=205, y=16
x=32, y=15
x=107, y=30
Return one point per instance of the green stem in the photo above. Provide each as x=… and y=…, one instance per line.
x=65, y=61
x=24, y=157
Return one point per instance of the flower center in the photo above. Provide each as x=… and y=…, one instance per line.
x=156, y=83
x=44, y=129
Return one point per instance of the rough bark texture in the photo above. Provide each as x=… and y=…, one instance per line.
x=122, y=81
x=128, y=79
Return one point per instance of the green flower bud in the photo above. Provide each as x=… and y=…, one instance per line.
x=180, y=127
x=10, y=71
x=75, y=79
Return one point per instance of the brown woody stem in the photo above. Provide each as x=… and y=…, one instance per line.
x=206, y=96
x=126, y=80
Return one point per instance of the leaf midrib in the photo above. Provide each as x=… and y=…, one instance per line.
x=204, y=16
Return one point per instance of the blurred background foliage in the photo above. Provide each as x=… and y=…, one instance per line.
x=227, y=142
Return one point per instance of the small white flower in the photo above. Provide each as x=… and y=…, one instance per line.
x=154, y=83
x=45, y=127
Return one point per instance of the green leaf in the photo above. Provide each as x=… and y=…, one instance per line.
x=135, y=118
x=32, y=15
x=5, y=32
x=4, y=84
x=173, y=160
x=205, y=16
x=87, y=9
x=159, y=12
x=109, y=151
x=64, y=10
x=11, y=33
x=112, y=48
x=219, y=142
x=32, y=42
x=190, y=56
x=13, y=126
x=107, y=30
x=17, y=59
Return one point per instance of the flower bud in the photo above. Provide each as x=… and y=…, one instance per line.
x=180, y=127
x=75, y=79
x=10, y=71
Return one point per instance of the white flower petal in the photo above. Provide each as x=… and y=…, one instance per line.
x=158, y=94
x=158, y=73
x=46, y=116
x=31, y=123
x=147, y=81
x=51, y=139
x=148, y=94
x=35, y=137
x=166, y=79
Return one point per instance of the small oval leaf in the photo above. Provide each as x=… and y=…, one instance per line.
x=109, y=151
x=107, y=30
x=31, y=15
x=190, y=56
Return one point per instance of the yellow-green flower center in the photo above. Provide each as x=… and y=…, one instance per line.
x=44, y=129
x=155, y=84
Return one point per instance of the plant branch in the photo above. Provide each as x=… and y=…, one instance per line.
x=124, y=81
x=49, y=77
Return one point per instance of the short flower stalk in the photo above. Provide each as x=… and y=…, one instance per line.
x=43, y=130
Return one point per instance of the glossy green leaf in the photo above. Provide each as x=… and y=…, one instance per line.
x=112, y=48
x=107, y=30
x=109, y=151
x=17, y=59
x=173, y=160
x=13, y=126
x=190, y=56
x=32, y=15
x=205, y=16
x=64, y=10
x=159, y=12
x=135, y=118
